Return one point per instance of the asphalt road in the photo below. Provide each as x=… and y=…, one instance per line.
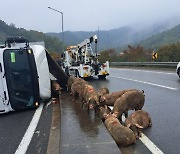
x=13, y=126
x=162, y=92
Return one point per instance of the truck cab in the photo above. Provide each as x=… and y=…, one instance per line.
x=18, y=76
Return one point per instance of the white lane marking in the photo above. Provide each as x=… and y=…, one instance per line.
x=22, y=148
x=145, y=71
x=150, y=145
x=153, y=84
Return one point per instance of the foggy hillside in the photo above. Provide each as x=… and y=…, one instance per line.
x=116, y=38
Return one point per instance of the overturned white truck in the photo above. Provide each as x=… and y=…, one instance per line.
x=25, y=75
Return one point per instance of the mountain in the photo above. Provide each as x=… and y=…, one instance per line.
x=52, y=43
x=164, y=38
x=115, y=38
x=150, y=36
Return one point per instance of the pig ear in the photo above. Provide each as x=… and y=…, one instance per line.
x=100, y=107
x=89, y=99
x=129, y=125
x=105, y=106
x=138, y=126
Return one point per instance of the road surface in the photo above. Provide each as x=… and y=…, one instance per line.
x=162, y=92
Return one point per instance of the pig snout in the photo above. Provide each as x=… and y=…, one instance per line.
x=91, y=106
x=102, y=99
x=105, y=115
x=115, y=114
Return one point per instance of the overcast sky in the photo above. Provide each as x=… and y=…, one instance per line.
x=86, y=15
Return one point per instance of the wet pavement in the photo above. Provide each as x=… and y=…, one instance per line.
x=82, y=132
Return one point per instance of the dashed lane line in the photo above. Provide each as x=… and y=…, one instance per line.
x=146, y=141
x=23, y=146
x=149, y=83
x=150, y=145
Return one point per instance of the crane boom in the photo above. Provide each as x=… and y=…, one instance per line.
x=82, y=61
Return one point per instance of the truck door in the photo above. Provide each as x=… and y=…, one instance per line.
x=21, y=78
x=2, y=100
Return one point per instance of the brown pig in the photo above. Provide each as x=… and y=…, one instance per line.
x=87, y=88
x=91, y=100
x=56, y=89
x=103, y=112
x=137, y=121
x=71, y=80
x=131, y=100
x=122, y=135
x=89, y=97
x=77, y=88
x=103, y=91
x=109, y=99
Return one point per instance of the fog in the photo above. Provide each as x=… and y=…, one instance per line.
x=88, y=15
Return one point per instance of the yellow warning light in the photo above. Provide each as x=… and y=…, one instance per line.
x=37, y=104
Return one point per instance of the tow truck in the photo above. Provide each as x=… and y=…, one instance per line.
x=82, y=61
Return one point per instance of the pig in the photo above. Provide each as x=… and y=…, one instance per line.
x=91, y=100
x=137, y=121
x=87, y=88
x=122, y=135
x=109, y=99
x=55, y=88
x=89, y=97
x=71, y=80
x=77, y=88
x=103, y=91
x=131, y=100
x=103, y=112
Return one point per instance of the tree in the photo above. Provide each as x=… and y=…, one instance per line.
x=135, y=54
x=108, y=55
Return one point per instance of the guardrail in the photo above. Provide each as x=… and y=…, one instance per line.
x=146, y=64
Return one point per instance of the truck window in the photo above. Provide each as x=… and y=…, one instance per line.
x=19, y=78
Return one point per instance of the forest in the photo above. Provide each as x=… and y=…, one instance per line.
x=165, y=44
x=166, y=53
x=51, y=43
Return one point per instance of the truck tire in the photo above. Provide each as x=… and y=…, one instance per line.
x=102, y=77
x=77, y=74
x=67, y=71
x=178, y=72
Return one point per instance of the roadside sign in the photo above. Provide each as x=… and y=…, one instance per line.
x=154, y=55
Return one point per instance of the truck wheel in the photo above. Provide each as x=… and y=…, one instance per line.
x=77, y=74
x=178, y=72
x=102, y=76
x=67, y=71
